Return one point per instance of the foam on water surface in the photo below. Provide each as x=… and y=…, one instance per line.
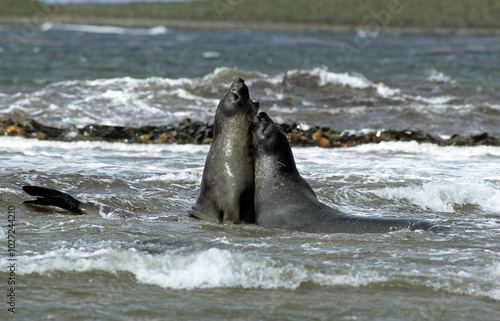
x=22, y=144
x=447, y=196
x=219, y=268
x=159, y=77
x=159, y=30
x=302, y=94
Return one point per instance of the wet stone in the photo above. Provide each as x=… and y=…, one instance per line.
x=198, y=132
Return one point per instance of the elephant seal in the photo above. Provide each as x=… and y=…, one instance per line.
x=227, y=186
x=283, y=199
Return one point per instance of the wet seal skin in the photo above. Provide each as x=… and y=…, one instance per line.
x=283, y=199
x=227, y=186
x=51, y=197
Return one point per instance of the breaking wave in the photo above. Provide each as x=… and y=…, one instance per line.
x=318, y=96
x=217, y=268
x=159, y=30
x=447, y=196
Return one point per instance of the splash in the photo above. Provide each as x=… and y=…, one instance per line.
x=212, y=268
x=447, y=196
x=318, y=96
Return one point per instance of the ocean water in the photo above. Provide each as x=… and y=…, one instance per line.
x=143, y=258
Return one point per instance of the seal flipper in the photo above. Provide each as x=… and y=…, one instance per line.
x=51, y=197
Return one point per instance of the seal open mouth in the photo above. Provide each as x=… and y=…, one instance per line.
x=240, y=91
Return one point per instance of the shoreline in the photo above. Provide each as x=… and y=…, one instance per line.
x=232, y=25
x=197, y=132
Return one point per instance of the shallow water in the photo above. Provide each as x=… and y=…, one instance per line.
x=146, y=259
x=150, y=255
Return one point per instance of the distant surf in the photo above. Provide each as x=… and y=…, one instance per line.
x=318, y=96
x=159, y=30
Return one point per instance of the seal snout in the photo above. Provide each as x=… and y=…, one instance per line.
x=240, y=89
x=263, y=117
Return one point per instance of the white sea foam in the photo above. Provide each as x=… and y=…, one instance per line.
x=465, y=280
x=183, y=93
x=366, y=33
x=25, y=144
x=437, y=76
x=440, y=100
x=159, y=30
x=210, y=54
x=218, y=268
x=212, y=268
x=157, y=101
x=494, y=271
x=326, y=77
x=414, y=147
x=126, y=82
x=179, y=175
x=353, y=277
x=444, y=196
x=120, y=101
x=387, y=92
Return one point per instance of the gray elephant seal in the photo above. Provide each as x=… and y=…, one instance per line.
x=283, y=199
x=227, y=186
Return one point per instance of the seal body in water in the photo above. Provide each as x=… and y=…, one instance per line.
x=227, y=186
x=51, y=197
x=47, y=198
x=283, y=199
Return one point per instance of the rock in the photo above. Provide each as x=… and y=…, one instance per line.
x=197, y=132
x=317, y=135
x=13, y=130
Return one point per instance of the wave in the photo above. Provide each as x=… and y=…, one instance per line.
x=437, y=76
x=322, y=77
x=315, y=96
x=412, y=147
x=443, y=152
x=212, y=268
x=159, y=30
x=219, y=268
x=23, y=144
x=447, y=196
x=176, y=176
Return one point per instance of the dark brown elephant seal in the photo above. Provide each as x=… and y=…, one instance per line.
x=227, y=186
x=283, y=199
